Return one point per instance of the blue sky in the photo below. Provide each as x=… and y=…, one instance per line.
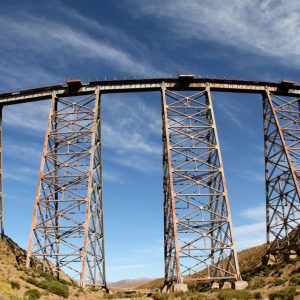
x=46, y=42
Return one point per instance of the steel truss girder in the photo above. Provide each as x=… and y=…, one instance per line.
x=282, y=169
x=67, y=225
x=199, y=243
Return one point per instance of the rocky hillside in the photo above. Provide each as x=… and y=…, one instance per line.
x=17, y=282
x=263, y=280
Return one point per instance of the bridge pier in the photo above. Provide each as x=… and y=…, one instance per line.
x=67, y=230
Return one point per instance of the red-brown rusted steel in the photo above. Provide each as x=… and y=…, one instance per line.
x=67, y=226
x=282, y=169
x=197, y=213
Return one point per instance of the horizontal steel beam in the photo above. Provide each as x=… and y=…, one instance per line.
x=148, y=85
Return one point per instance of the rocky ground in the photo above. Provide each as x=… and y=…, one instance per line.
x=281, y=281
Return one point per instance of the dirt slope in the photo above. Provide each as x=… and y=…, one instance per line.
x=17, y=282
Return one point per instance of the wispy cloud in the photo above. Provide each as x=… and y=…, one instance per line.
x=132, y=133
x=254, y=233
x=255, y=213
x=112, y=176
x=250, y=235
x=265, y=27
x=23, y=151
x=67, y=38
x=21, y=174
x=127, y=267
x=254, y=176
x=31, y=117
x=234, y=112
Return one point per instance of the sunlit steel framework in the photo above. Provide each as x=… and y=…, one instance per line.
x=282, y=162
x=198, y=227
x=67, y=225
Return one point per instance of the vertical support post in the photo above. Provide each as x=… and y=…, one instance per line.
x=1, y=179
x=171, y=236
x=223, y=183
x=265, y=124
x=38, y=188
x=89, y=191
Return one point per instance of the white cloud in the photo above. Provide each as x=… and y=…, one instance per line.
x=132, y=133
x=252, y=175
x=255, y=213
x=265, y=27
x=30, y=116
x=254, y=233
x=234, y=111
x=112, y=176
x=29, y=41
x=127, y=267
x=23, y=151
x=22, y=174
x=250, y=235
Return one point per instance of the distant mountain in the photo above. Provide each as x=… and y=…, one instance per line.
x=129, y=283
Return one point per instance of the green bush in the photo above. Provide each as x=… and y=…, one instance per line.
x=258, y=283
x=294, y=280
x=70, y=283
x=32, y=281
x=15, y=285
x=278, y=281
x=228, y=295
x=45, y=275
x=52, y=286
x=32, y=294
x=58, y=289
x=257, y=295
x=286, y=294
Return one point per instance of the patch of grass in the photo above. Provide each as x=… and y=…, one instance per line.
x=228, y=295
x=52, y=286
x=70, y=283
x=294, y=279
x=56, y=288
x=7, y=292
x=258, y=283
x=257, y=295
x=32, y=294
x=278, y=281
x=32, y=281
x=15, y=285
x=285, y=294
x=123, y=295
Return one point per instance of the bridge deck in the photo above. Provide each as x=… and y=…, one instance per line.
x=148, y=85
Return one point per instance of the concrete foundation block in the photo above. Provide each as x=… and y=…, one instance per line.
x=178, y=287
x=226, y=285
x=293, y=255
x=215, y=286
x=271, y=260
x=240, y=285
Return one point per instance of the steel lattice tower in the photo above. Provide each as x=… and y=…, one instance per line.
x=199, y=243
x=67, y=223
x=282, y=168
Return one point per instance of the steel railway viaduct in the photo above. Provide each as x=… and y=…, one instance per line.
x=67, y=231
